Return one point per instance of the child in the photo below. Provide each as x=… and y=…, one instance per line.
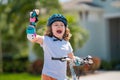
x=55, y=44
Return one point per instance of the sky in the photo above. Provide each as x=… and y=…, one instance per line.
x=63, y=0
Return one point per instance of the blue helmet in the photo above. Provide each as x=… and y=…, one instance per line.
x=57, y=17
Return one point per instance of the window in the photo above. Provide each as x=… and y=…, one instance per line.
x=94, y=16
x=103, y=0
x=80, y=14
x=83, y=15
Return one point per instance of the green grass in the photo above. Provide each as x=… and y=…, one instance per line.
x=18, y=76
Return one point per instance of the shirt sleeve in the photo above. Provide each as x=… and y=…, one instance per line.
x=70, y=48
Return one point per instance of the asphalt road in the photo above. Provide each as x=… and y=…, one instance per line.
x=102, y=75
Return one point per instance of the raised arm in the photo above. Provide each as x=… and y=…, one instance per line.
x=31, y=29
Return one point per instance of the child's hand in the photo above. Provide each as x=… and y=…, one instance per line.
x=31, y=30
x=34, y=13
x=34, y=16
x=78, y=61
x=81, y=61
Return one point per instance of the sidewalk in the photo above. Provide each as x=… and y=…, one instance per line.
x=102, y=75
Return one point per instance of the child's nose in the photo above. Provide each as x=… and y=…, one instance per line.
x=60, y=26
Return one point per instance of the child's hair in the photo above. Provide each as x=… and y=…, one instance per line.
x=66, y=36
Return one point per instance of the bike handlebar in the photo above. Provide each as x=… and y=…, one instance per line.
x=85, y=60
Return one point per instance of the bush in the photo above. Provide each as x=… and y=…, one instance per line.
x=15, y=65
x=36, y=67
x=22, y=65
x=110, y=65
x=106, y=65
x=96, y=64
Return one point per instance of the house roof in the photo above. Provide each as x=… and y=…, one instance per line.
x=72, y=3
x=116, y=4
x=90, y=4
x=78, y=4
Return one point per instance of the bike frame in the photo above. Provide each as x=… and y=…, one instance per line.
x=86, y=60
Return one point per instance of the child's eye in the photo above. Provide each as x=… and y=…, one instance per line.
x=62, y=25
x=56, y=25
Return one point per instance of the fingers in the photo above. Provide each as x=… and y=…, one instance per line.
x=34, y=16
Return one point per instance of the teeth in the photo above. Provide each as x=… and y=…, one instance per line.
x=59, y=31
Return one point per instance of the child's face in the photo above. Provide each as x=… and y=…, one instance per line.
x=58, y=29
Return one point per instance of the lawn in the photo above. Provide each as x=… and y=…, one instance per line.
x=18, y=76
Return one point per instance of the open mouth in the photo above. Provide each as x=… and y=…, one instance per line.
x=59, y=31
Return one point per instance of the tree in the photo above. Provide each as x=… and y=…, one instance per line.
x=51, y=6
x=13, y=22
x=79, y=34
x=1, y=70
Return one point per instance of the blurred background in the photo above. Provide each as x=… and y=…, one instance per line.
x=94, y=24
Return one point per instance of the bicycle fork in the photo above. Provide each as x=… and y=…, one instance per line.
x=72, y=71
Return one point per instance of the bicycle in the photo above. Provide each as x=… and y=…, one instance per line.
x=82, y=61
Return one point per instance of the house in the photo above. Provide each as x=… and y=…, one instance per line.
x=102, y=19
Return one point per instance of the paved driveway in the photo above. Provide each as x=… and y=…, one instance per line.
x=102, y=75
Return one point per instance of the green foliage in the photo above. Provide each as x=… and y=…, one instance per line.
x=51, y=5
x=14, y=18
x=19, y=76
x=79, y=34
x=38, y=50
x=15, y=65
x=110, y=65
x=106, y=65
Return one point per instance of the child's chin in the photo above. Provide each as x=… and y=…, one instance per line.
x=59, y=35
